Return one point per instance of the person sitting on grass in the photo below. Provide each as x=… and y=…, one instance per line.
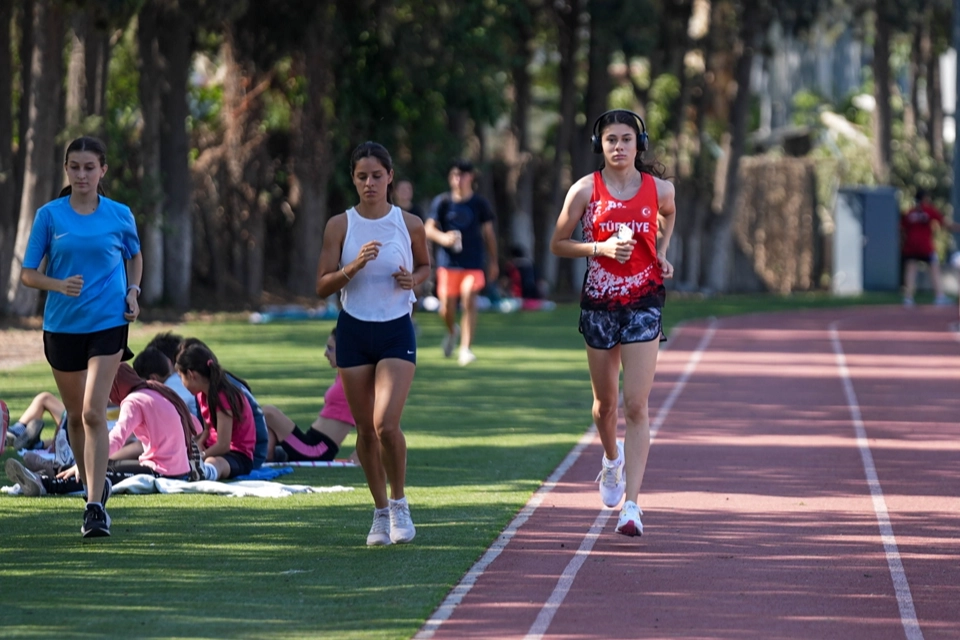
x=322, y=441
x=25, y=432
x=229, y=434
x=149, y=410
x=170, y=344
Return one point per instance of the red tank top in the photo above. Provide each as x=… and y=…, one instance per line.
x=637, y=283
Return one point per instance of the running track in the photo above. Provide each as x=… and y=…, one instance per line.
x=803, y=483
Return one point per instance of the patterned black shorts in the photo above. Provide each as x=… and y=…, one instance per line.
x=603, y=329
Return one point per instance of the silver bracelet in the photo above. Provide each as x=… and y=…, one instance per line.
x=343, y=271
x=134, y=286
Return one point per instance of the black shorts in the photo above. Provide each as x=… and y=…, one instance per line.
x=360, y=342
x=240, y=465
x=72, y=351
x=312, y=445
x=931, y=258
x=604, y=329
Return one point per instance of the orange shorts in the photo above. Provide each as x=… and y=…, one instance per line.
x=450, y=281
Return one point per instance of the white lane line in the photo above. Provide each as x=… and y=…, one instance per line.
x=552, y=605
x=449, y=604
x=908, y=615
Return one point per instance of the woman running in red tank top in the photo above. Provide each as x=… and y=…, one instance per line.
x=622, y=297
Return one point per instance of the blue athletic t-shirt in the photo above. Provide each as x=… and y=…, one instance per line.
x=93, y=246
x=467, y=217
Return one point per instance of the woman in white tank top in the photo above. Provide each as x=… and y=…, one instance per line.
x=374, y=254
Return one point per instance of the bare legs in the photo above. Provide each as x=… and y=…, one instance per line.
x=639, y=365
x=85, y=395
x=376, y=395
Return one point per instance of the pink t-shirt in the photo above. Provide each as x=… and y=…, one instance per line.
x=335, y=404
x=155, y=422
x=244, y=430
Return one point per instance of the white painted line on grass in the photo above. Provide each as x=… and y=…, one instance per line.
x=908, y=615
x=552, y=605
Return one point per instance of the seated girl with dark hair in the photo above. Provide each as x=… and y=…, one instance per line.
x=149, y=410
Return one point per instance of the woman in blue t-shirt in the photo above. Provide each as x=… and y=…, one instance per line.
x=91, y=250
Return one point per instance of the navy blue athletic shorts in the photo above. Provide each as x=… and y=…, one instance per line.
x=360, y=342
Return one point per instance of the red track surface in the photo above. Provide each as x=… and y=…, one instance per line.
x=759, y=520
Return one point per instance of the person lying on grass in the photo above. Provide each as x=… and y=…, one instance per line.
x=322, y=441
x=148, y=410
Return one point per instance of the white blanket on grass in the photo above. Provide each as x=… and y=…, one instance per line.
x=144, y=483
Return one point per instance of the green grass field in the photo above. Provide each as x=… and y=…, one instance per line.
x=481, y=440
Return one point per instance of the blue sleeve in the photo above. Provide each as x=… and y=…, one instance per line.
x=486, y=211
x=434, y=213
x=39, y=240
x=129, y=240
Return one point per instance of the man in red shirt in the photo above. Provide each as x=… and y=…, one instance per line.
x=916, y=228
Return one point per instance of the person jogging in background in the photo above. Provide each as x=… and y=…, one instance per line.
x=461, y=224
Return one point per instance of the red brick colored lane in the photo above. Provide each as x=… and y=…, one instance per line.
x=507, y=598
x=758, y=522
x=910, y=412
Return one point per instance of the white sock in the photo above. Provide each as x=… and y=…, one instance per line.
x=610, y=463
x=382, y=512
x=210, y=472
x=402, y=500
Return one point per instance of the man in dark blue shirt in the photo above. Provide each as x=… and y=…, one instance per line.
x=461, y=224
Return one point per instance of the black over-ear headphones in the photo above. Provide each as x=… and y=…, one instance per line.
x=597, y=143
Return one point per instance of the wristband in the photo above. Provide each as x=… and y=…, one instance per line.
x=343, y=271
x=134, y=286
x=594, y=249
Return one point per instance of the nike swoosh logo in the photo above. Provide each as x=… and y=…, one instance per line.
x=410, y=353
x=57, y=237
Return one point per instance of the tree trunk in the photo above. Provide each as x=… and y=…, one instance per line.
x=934, y=91
x=911, y=109
x=25, y=18
x=174, y=31
x=312, y=153
x=882, y=114
x=151, y=192
x=567, y=16
x=40, y=171
x=76, y=101
x=8, y=182
x=721, y=262
x=520, y=173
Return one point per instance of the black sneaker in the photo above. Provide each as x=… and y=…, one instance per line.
x=96, y=522
x=105, y=495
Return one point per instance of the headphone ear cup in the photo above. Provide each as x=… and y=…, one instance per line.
x=643, y=142
x=596, y=144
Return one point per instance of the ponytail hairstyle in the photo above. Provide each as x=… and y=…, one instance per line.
x=93, y=145
x=625, y=117
x=196, y=356
x=375, y=150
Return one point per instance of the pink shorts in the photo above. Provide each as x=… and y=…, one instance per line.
x=450, y=281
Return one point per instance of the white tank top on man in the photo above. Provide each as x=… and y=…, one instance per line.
x=373, y=294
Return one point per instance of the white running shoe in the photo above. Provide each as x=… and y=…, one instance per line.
x=450, y=341
x=612, y=483
x=941, y=301
x=629, y=523
x=380, y=530
x=401, y=524
x=466, y=357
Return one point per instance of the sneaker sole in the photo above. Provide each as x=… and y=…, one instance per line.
x=630, y=529
x=404, y=540
x=29, y=486
x=378, y=542
x=95, y=532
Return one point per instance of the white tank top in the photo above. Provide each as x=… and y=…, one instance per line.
x=372, y=294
